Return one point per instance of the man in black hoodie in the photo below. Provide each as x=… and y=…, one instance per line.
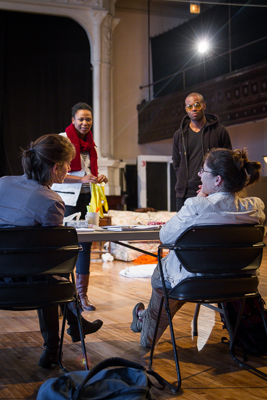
x=198, y=133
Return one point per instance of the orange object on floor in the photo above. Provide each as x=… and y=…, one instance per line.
x=146, y=259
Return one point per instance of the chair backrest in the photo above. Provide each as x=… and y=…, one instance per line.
x=220, y=249
x=29, y=251
x=222, y=256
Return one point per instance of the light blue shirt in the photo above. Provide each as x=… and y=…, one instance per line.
x=216, y=209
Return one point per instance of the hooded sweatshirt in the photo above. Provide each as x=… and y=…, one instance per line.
x=213, y=135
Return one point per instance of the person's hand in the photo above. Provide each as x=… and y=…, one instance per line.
x=200, y=186
x=102, y=178
x=200, y=192
x=89, y=179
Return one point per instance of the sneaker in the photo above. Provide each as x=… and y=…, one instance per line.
x=135, y=326
x=47, y=359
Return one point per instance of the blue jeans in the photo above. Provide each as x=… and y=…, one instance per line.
x=83, y=262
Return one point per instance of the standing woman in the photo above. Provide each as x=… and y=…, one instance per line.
x=76, y=189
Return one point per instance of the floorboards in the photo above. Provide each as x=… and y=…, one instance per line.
x=208, y=372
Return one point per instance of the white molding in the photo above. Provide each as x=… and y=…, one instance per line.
x=141, y=181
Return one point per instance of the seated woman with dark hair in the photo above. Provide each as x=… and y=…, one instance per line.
x=28, y=200
x=224, y=174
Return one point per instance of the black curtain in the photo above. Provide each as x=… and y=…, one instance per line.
x=45, y=69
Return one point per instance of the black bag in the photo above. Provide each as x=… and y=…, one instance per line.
x=128, y=381
x=251, y=335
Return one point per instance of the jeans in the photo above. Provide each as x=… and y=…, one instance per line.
x=84, y=258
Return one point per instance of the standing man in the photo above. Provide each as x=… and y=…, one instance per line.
x=198, y=133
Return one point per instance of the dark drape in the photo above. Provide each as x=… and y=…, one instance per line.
x=45, y=69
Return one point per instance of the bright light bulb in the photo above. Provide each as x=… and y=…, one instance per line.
x=203, y=46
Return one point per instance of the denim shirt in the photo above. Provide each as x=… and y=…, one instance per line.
x=25, y=202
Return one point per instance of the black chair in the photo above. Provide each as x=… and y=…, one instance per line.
x=27, y=255
x=226, y=257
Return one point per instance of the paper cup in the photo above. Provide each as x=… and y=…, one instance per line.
x=92, y=218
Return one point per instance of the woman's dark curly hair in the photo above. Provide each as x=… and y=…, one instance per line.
x=234, y=167
x=80, y=106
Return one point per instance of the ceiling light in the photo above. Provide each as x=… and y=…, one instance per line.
x=194, y=8
x=203, y=46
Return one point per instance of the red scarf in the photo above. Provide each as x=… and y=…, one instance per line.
x=82, y=145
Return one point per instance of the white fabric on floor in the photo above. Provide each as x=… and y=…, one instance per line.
x=139, y=271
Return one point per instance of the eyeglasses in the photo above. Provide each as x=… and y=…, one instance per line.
x=203, y=170
x=197, y=106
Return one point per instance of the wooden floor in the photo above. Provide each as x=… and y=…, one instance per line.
x=208, y=372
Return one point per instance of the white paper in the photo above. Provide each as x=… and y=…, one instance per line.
x=132, y=227
x=69, y=192
x=84, y=229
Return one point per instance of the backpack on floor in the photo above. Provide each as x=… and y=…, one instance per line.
x=127, y=381
x=251, y=336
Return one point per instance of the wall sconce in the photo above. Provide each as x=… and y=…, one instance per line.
x=195, y=8
x=265, y=159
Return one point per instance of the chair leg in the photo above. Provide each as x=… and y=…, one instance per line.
x=174, y=388
x=81, y=336
x=227, y=322
x=155, y=333
x=61, y=338
x=81, y=333
x=195, y=330
x=78, y=309
x=261, y=307
x=179, y=379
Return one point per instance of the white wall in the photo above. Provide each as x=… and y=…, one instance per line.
x=253, y=136
x=130, y=60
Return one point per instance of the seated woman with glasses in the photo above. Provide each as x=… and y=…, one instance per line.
x=224, y=174
x=28, y=200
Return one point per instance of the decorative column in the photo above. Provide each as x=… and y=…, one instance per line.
x=108, y=27
x=98, y=17
x=104, y=24
x=106, y=137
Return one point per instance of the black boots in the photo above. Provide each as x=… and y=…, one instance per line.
x=88, y=327
x=49, y=326
x=47, y=359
